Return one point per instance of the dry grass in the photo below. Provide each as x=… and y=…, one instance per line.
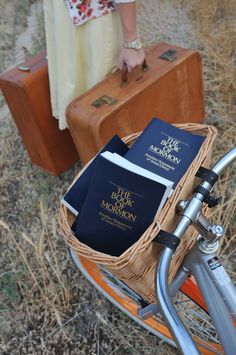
x=215, y=27
x=46, y=305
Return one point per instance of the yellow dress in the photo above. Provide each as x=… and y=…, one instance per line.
x=78, y=56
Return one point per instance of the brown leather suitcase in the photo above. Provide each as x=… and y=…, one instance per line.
x=170, y=89
x=26, y=90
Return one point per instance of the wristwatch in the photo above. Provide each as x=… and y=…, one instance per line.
x=136, y=44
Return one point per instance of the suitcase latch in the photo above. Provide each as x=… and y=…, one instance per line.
x=24, y=68
x=169, y=55
x=104, y=100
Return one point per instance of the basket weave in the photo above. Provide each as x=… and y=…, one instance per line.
x=136, y=266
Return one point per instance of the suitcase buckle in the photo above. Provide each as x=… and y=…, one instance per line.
x=169, y=55
x=104, y=100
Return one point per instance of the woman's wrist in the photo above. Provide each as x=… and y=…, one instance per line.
x=127, y=12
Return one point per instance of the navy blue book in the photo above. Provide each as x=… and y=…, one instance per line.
x=165, y=150
x=74, y=198
x=120, y=204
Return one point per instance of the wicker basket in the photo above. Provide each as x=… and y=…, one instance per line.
x=136, y=266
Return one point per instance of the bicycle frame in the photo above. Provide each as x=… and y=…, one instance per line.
x=216, y=287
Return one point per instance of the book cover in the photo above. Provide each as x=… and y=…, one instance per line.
x=165, y=150
x=74, y=197
x=120, y=204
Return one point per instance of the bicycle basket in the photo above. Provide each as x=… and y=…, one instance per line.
x=136, y=266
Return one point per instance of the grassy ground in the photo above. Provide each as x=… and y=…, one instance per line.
x=46, y=305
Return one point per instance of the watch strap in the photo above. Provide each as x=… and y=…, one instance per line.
x=135, y=44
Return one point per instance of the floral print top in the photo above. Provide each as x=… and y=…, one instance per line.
x=82, y=11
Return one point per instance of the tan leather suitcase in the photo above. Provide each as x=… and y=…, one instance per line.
x=26, y=90
x=170, y=89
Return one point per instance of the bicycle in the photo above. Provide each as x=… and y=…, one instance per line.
x=211, y=291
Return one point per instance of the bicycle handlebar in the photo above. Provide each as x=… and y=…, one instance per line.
x=177, y=328
x=225, y=161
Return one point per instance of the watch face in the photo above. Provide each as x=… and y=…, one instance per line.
x=137, y=44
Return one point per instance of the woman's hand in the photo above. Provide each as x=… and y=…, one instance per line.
x=131, y=57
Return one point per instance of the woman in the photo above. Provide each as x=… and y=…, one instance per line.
x=85, y=38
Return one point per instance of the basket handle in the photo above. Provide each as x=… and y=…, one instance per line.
x=124, y=72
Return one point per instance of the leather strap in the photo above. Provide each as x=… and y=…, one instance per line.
x=167, y=239
x=207, y=175
x=124, y=72
x=207, y=198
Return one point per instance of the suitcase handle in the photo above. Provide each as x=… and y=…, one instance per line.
x=124, y=73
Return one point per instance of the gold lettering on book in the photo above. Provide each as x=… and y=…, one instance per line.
x=170, y=146
x=121, y=200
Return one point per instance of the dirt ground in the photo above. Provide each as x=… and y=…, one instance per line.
x=46, y=305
